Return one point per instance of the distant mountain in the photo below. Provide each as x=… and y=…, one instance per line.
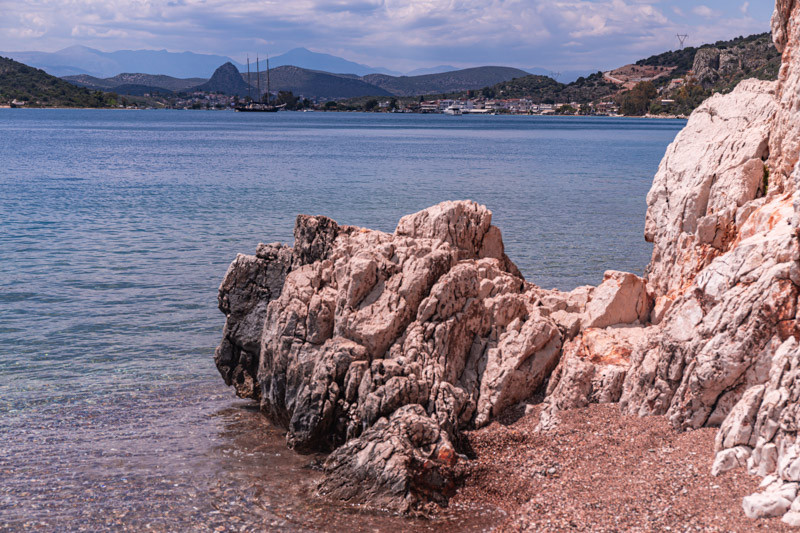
x=39, y=89
x=304, y=58
x=313, y=84
x=446, y=82
x=82, y=60
x=226, y=80
x=155, y=81
x=431, y=70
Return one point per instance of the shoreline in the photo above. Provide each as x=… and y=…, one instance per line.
x=655, y=117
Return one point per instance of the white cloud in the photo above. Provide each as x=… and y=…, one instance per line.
x=705, y=11
x=399, y=34
x=744, y=8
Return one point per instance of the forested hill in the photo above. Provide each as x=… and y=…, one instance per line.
x=753, y=56
x=36, y=88
x=705, y=70
x=542, y=89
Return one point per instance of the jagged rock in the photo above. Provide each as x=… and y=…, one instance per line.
x=465, y=225
x=464, y=339
x=713, y=167
x=399, y=464
x=250, y=283
x=784, y=140
x=620, y=299
x=592, y=370
x=358, y=325
x=726, y=300
x=764, y=418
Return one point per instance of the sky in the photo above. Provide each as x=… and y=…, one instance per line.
x=396, y=34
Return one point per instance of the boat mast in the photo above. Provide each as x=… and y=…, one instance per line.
x=268, y=93
x=258, y=81
x=249, y=96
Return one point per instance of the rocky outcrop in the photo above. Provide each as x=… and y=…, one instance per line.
x=755, y=57
x=367, y=336
x=725, y=275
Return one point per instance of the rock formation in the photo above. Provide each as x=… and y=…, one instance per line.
x=754, y=56
x=383, y=347
x=725, y=278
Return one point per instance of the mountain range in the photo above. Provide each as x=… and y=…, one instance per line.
x=77, y=60
x=306, y=83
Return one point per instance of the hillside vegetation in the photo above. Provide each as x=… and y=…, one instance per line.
x=39, y=89
x=444, y=82
x=157, y=81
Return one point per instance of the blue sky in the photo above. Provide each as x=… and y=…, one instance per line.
x=397, y=34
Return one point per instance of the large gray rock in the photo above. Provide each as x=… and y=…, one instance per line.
x=250, y=283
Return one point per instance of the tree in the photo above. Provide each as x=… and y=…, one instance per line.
x=370, y=105
x=636, y=102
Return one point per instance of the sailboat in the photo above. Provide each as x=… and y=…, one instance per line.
x=260, y=106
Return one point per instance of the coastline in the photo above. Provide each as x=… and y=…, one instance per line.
x=657, y=117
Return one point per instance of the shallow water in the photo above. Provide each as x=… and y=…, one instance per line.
x=117, y=227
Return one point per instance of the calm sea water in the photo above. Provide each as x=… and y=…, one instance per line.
x=116, y=228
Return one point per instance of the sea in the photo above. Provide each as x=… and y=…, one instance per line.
x=116, y=228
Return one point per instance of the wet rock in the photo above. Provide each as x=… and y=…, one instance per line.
x=250, y=283
x=400, y=464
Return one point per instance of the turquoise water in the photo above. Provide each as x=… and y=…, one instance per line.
x=116, y=228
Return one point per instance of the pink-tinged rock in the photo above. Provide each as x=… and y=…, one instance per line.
x=765, y=505
x=712, y=168
x=364, y=324
x=592, y=369
x=620, y=299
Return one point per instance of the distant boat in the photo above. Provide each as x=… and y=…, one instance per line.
x=453, y=110
x=260, y=106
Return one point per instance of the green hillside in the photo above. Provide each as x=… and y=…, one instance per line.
x=315, y=84
x=545, y=90
x=444, y=82
x=157, y=81
x=39, y=89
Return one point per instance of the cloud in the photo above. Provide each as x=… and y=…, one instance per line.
x=399, y=34
x=705, y=11
x=744, y=8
